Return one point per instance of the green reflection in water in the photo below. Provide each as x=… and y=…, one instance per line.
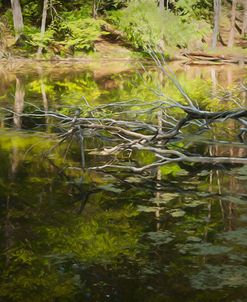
x=176, y=234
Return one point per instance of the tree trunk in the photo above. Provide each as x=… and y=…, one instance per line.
x=217, y=11
x=94, y=10
x=17, y=17
x=162, y=5
x=43, y=25
x=233, y=19
x=244, y=28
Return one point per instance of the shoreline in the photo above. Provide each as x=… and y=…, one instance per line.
x=187, y=58
x=103, y=66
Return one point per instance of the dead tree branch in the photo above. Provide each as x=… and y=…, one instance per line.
x=122, y=128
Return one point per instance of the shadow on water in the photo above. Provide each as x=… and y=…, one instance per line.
x=178, y=233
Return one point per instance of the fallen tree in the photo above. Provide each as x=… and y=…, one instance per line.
x=123, y=129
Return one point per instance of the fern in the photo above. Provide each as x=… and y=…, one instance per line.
x=80, y=34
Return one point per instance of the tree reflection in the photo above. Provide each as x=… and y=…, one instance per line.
x=19, y=103
x=71, y=235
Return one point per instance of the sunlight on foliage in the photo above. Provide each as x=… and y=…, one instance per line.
x=143, y=24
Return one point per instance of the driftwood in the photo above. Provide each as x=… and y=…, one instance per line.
x=212, y=59
x=113, y=31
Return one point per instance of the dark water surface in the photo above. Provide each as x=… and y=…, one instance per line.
x=178, y=233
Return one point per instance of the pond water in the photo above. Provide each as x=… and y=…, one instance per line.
x=176, y=233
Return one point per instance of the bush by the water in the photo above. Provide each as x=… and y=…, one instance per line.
x=145, y=25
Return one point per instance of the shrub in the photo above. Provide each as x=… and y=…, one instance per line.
x=146, y=26
x=72, y=31
x=34, y=38
x=80, y=34
x=194, y=9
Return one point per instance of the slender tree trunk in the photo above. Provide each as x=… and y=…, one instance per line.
x=43, y=25
x=45, y=103
x=233, y=19
x=94, y=10
x=217, y=12
x=244, y=28
x=167, y=4
x=44, y=97
x=162, y=5
x=17, y=17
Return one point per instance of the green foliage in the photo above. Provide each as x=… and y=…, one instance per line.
x=74, y=31
x=32, y=13
x=146, y=26
x=194, y=9
x=7, y=19
x=35, y=39
x=111, y=4
x=71, y=28
x=78, y=33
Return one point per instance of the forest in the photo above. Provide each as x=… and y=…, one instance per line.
x=74, y=28
x=123, y=150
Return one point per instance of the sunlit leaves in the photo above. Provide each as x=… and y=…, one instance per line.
x=142, y=22
x=170, y=169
